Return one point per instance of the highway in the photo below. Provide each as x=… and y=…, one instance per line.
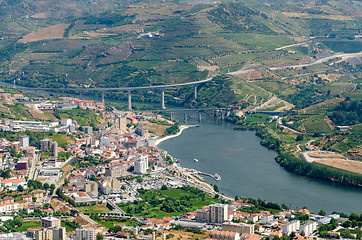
x=117, y=88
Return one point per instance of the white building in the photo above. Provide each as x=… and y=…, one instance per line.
x=308, y=228
x=65, y=122
x=141, y=164
x=290, y=227
x=85, y=234
x=13, y=183
x=218, y=213
x=9, y=207
x=266, y=218
x=24, y=141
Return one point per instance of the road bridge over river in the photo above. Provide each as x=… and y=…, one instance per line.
x=125, y=89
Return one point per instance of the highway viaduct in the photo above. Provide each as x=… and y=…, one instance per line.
x=129, y=90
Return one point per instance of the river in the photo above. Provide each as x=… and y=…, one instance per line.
x=248, y=169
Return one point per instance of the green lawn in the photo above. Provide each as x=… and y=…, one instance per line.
x=67, y=227
x=172, y=202
x=257, y=117
x=26, y=225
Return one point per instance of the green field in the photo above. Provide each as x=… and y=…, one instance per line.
x=26, y=225
x=84, y=117
x=258, y=41
x=172, y=202
x=257, y=118
x=344, y=46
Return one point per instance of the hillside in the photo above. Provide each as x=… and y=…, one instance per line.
x=112, y=44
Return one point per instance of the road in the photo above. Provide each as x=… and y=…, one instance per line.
x=31, y=174
x=343, y=56
x=292, y=45
x=118, y=88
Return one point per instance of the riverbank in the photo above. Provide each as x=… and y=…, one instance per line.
x=182, y=127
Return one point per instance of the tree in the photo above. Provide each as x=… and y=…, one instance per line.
x=322, y=212
x=346, y=224
x=20, y=188
x=46, y=186
x=164, y=187
x=99, y=236
x=299, y=138
x=353, y=216
x=5, y=173
x=216, y=188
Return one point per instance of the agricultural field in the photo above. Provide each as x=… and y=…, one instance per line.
x=140, y=44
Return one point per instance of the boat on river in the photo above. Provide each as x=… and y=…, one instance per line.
x=217, y=177
x=196, y=160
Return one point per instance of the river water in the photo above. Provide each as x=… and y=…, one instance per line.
x=248, y=169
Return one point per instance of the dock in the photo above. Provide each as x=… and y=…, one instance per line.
x=207, y=174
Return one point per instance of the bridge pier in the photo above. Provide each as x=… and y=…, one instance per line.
x=195, y=92
x=171, y=116
x=103, y=102
x=129, y=101
x=199, y=118
x=185, y=117
x=163, y=98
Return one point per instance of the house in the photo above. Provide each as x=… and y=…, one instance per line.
x=246, y=236
x=304, y=211
x=334, y=234
x=275, y=234
x=13, y=183
x=9, y=207
x=221, y=235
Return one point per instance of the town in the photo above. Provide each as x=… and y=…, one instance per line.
x=113, y=182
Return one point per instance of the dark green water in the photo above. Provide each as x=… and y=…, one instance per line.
x=248, y=169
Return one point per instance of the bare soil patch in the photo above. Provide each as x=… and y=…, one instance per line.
x=183, y=235
x=52, y=32
x=155, y=128
x=346, y=165
x=59, y=206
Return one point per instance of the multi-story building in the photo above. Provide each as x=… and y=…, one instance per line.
x=118, y=170
x=88, y=130
x=141, y=164
x=218, y=213
x=65, y=122
x=308, y=228
x=24, y=141
x=15, y=146
x=91, y=188
x=50, y=146
x=85, y=234
x=203, y=215
x=55, y=233
x=290, y=227
x=122, y=123
x=266, y=218
x=238, y=227
x=55, y=149
x=46, y=145
x=142, y=131
x=50, y=222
